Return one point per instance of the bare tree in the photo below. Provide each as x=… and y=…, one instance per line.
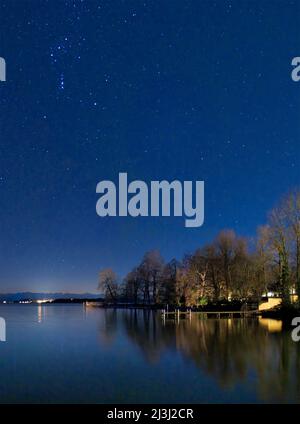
x=198, y=270
x=108, y=284
x=225, y=244
x=214, y=273
x=133, y=285
x=169, y=281
x=150, y=270
x=263, y=260
x=187, y=292
x=279, y=239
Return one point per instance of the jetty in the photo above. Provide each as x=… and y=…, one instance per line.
x=177, y=314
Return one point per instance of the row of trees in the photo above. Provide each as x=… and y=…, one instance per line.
x=230, y=267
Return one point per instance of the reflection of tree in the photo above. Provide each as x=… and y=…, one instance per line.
x=146, y=331
x=281, y=372
x=234, y=349
x=230, y=350
x=108, y=328
x=218, y=347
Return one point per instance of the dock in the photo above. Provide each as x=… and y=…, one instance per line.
x=177, y=314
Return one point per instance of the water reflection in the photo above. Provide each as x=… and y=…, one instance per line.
x=272, y=325
x=40, y=313
x=257, y=353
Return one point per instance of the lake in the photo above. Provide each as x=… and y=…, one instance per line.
x=72, y=354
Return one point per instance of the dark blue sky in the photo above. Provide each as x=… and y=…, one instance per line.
x=183, y=90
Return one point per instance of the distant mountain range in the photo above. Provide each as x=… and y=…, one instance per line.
x=11, y=297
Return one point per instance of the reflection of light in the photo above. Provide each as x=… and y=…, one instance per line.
x=272, y=325
x=40, y=313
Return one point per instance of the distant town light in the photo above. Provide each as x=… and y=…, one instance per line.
x=39, y=301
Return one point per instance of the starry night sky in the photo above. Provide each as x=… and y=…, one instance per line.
x=177, y=89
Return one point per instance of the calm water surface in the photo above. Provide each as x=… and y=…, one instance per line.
x=66, y=353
